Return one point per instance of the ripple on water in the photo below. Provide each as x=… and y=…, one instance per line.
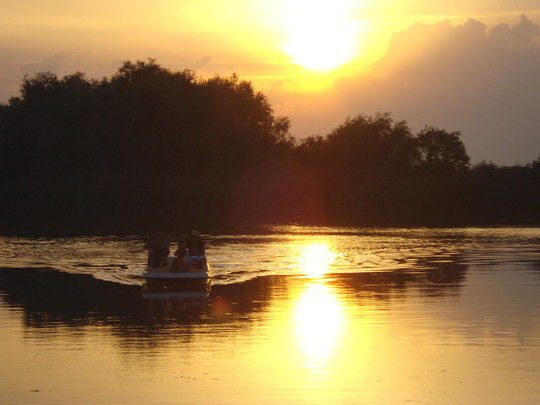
x=281, y=250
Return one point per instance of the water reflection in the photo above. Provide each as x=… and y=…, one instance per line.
x=319, y=322
x=174, y=305
x=315, y=259
x=419, y=317
x=49, y=297
x=318, y=316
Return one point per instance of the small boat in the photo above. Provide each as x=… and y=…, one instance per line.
x=189, y=273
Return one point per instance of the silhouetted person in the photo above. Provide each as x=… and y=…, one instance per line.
x=158, y=250
x=180, y=254
x=196, y=250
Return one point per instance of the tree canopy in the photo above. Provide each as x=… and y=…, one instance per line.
x=154, y=148
x=145, y=117
x=366, y=146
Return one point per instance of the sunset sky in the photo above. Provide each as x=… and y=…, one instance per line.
x=468, y=65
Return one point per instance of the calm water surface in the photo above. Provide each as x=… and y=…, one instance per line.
x=294, y=315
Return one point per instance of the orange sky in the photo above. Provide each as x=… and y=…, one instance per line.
x=318, y=61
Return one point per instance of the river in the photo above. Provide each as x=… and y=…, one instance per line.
x=303, y=315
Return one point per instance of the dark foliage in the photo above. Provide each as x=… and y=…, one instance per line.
x=146, y=148
x=376, y=172
x=149, y=148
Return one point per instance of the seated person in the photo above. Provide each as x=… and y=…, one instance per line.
x=196, y=250
x=158, y=250
x=180, y=253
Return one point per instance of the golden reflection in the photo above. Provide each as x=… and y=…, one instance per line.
x=316, y=259
x=318, y=319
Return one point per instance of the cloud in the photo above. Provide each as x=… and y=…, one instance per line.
x=481, y=81
x=17, y=63
x=524, y=35
x=484, y=83
x=56, y=63
x=460, y=7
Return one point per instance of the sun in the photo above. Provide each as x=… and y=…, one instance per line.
x=320, y=33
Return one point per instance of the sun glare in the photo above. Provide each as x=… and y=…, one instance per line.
x=315, y=260
x=320, y=33
x=318, y=321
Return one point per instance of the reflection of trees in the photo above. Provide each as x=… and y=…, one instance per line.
x=536, y=266
x=431, y=277
x=50, y=299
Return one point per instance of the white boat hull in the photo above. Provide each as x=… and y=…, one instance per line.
x=170, y=276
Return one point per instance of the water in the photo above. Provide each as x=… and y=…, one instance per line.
x=294, y=315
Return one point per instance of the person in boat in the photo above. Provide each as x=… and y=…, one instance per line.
x=158, y=250
x=180, y=253
x=196, y=250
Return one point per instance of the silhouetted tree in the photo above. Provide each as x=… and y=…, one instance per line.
x=362, y=147
x=154, y=148
x=441, y=151
x=535, y=164
x=372, y=144
x=145, y=139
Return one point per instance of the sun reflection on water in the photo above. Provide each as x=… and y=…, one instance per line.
x=316, y=259
x=318, y=314
x=318, y=321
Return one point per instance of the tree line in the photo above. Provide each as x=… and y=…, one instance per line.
x=150, y=148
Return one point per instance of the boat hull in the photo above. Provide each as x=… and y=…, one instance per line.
x=188, y=281
x=175, y=276
x=189, y=278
